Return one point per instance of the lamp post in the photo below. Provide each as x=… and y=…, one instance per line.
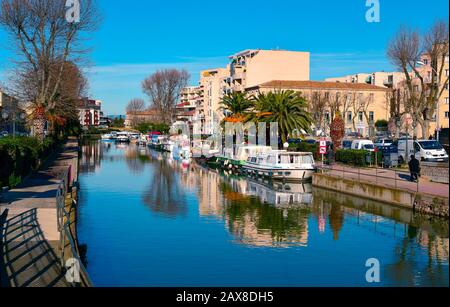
x=14, y=117
x=438, y=127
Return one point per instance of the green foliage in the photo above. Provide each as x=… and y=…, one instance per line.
x=118, y=122
x=382, y=124
x=357, y=157
x=306, y=147
x=287, y=108
x=149, y=127
x=236, y=103
x=21, y=155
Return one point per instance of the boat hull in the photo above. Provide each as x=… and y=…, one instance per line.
x=281, y=174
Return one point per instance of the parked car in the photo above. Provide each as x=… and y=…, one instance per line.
x=347, y=144
x=424, y=150
x=363, y=145
x=4, y=134
x=311, y=141
x=383, y=142
x=353, y=135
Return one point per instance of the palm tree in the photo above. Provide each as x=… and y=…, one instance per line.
x=237, y=106
x=287, y=108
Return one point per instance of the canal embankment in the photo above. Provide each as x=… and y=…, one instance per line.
x=386, y=186
x=39, y=227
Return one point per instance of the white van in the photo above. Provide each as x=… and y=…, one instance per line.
x=424, y=150
x=363, y=145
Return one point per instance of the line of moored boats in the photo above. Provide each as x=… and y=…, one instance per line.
x=249, y=160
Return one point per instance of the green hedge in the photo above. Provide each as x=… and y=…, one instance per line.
x=20, y=156
x=306, y=147
x=357, y=157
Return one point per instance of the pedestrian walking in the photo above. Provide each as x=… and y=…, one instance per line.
x=414, y=168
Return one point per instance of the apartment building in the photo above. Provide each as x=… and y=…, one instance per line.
x=190, y=110
x=247, y=68
x=381, y=78
x=90, y=112
x=361, y=104
x=211, y=92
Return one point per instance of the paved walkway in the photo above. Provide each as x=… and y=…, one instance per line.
x=389, y=178
x=30, y=234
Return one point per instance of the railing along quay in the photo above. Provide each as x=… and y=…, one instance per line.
x=379, y=174
x=69, y=255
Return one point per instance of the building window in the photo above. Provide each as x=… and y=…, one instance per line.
x=446, y=72
x=349, y=117
x=446, y=114
x=425, y=62
x=361, y=117
x=446, y=100
x=327, y=118
x=372, y=117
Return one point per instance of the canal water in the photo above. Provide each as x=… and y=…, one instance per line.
x=148, y=220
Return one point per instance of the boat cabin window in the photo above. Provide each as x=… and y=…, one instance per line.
x=296, y=159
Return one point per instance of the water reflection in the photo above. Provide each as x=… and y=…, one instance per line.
x=277, y=217
x=164, y=194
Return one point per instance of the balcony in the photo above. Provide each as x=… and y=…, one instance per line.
x=389, y=82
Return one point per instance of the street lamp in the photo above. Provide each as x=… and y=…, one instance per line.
x=14, y=118
x=438, y=127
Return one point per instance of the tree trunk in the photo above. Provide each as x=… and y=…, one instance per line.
x=425, y=129
x=39, y=128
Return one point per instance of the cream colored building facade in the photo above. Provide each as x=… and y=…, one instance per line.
x=252, y=67
x=360, y=104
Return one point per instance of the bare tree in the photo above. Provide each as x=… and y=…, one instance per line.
x=405, y=50
x=365, y=103
x=436, y=46
x=335, y=102
x=164, y=88
x=133, y=108
x=318, y=102
x=136, y=105
x=45, y=41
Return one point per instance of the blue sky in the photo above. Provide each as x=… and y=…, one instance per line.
x=137, y=37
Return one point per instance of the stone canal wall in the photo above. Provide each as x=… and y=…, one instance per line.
x=424, y=203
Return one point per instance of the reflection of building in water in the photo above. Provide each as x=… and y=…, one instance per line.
x=254, y=213
x=211, y=200
x=249, y=229
x=91, y=157
x=438, y=248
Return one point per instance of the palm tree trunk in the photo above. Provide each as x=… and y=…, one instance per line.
x=39, y=128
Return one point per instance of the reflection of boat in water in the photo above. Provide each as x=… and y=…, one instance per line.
x=281, y=165
x=279, y=194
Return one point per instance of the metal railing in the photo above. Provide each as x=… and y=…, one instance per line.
x=67, y=244
x=392, y=178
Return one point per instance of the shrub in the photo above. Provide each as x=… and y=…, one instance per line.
x=357, y=157
x=306, y=147
x=20, y=156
